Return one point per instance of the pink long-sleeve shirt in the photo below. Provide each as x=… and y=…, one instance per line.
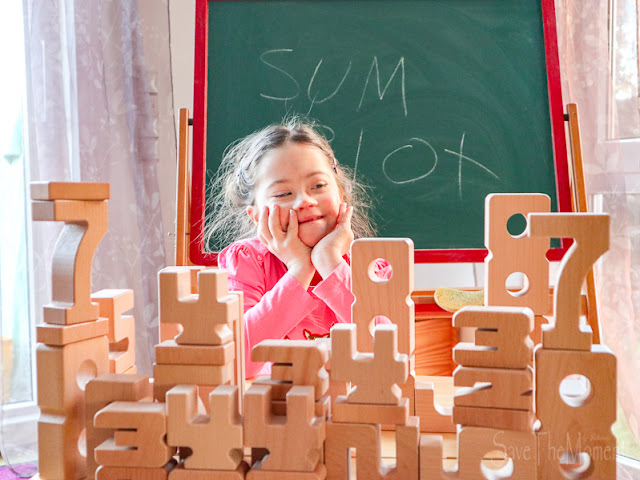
x=276, y=305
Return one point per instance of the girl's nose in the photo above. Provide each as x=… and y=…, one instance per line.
x=304, y=200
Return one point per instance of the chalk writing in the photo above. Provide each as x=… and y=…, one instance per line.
x=297, y=85
x=374, y=64
x=410, y=180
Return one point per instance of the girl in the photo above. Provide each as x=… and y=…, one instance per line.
x=282, y=193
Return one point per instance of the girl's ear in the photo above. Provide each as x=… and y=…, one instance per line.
x=253, y=213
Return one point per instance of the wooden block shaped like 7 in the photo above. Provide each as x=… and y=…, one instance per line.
x=85, y=223
x=591, y=234
x=206, y=317
x=389, y=297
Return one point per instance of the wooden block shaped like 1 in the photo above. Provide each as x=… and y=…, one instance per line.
x=206, y=317
x=389, y=296
x=85, y=223
x=295, y=441
x=139, y=436
x=216, y=441
x=122, y=328
x=300, y=362
x=501, y=337
x=510, y=254
x=591, y=234
x=375, y=375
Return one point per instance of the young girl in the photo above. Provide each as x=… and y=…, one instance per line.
x=293, y=212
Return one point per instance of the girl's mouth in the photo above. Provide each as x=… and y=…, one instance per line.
x=312, y=219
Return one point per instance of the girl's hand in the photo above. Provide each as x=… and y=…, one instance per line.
x=285, y=244
x=328, y=252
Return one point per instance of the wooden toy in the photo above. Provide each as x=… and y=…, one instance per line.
x=433, y=416
x=591, y=234
x=502, y=418
x=365, y=439
x=170, y=353
x=494, y=387
x=390, y=297
x=576, y=426
x=85, y=225
x=99, y=393
x=181, y=473
x=133, y=473
x=205, y=316
x=510, y=254
x=63, y=372
x=238, y=338
x=69, y=191
x=297, y=361
x=375, y=375
x=139, y=436
x=168, y=376
x=501, y=339
x=61, y=335
x=187, y=427
x=385, y=414
x=300, y=431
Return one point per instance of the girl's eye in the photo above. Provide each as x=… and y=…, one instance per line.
x=280, y=195
x=320, y=185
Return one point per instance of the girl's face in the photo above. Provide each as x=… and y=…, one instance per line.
x=298, y=176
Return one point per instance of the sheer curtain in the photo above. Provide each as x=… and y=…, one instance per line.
x=583, y=31
x=101, y=111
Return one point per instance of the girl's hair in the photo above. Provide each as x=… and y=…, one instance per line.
x=233, y=188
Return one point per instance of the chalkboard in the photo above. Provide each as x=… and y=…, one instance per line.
x=434, y=103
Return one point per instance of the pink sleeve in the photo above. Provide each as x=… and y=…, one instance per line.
x=267, y=314
x=335, y=291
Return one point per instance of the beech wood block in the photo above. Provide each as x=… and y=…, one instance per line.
x=300, y=431
x=501, y=338
x=222, y=430
x=134, y=473
x=499, y=418
x=375, y=375
x=298, y=361
x=139, y=435
x=193, y=374
x=63, y=372
x=279, y=388
x=515, y=254
x=433, y=416
x=344, y=412
x=99, y=393
x=113, y=303
x=122, y=353
x=320, y=473
x=170, y=353
x=494, y=387
x=475, y=444
x=60, y=335
x=181, y=473
x=85, y=225
x=206, y=317
x=390, y=298
x=408, y=390
x=69, y=191
x=321, y=408
x=238, y=338
x=579, y=421
x=431, y=463
x=591, y=234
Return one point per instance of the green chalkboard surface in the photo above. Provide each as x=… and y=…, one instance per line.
x=433, y=103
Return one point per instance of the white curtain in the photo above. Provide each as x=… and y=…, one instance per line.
x=100, y=110
x=583, y=30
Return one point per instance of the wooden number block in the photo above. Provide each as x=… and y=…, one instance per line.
x=171, y=375
x=170, y=353
x=205, y=316
x=576, y=404
x=520, y=448
x=186, y=427
x=60, y=335
x=508, y=419
x=279, y=388
x=389, y=297
x=300, y=431
x=510, y=254
x=255, y=473
x=297, y=361
x=365, y=439
x=376, y=375
x=181, y=473
x=501, y=338
x=321, y=408
x=139, y=437
x=433, y=416
x=69, y=191
x=431, y=456
x=63, y=373
x=238, y=338
x=344, y=412
x=135, y=473
x=591, y=234
x=85, y=223
x=494, y=387
x=122, y=354
x=113, y=303
x=99, y=393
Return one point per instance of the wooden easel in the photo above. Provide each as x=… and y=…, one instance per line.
x=183, y=202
